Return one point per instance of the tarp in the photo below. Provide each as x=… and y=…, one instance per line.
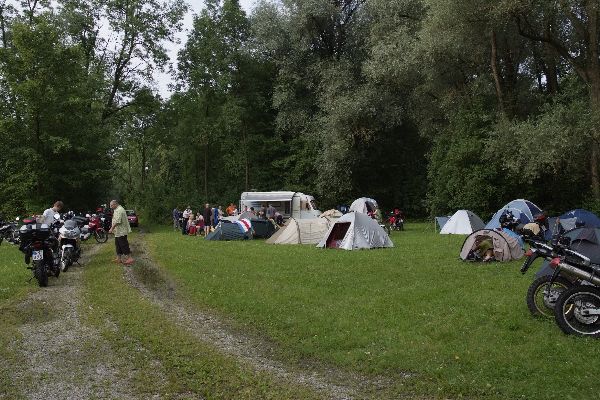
x=463, y=222
x=363, y=205
x=522, y=209
x=506, y=247
x=228, y=231
x=354, y=231
x=302, y=231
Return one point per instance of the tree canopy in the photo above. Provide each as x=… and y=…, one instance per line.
x=425, y=105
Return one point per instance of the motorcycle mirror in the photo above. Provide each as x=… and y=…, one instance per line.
x=18, y=219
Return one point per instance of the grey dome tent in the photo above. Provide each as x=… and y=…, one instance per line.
x=506, y=247
x=463, y=222
x=363, y=205
x=441, y=221
x=355, y=231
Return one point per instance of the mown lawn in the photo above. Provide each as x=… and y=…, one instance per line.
x=462, y=328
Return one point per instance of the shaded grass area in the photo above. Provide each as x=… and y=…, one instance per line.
x=463, y=328
x=14, y=286
x=14, y=275
x=169, y=361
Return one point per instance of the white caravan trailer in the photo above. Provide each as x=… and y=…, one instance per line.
x=289, y=204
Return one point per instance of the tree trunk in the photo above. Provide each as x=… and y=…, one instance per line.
x=246, y=162
x=594, y=158
x=496, y=73
x=206, y=173
x=143, y=165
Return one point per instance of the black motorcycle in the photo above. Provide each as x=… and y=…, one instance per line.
x=40, y=247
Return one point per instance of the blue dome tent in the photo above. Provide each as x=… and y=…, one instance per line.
x=578, y=218
x=522, y=209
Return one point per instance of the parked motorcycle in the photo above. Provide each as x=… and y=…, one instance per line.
x=543, y=292
x=96, y=227
x=577, y=309
x=41, y=251
x=69, y=243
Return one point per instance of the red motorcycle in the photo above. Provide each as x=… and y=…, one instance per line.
x=92, y=225
x=96, y=227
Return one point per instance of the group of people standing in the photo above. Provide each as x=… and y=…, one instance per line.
x=201, y=222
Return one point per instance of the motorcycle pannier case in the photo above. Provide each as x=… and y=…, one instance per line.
x=34, y=232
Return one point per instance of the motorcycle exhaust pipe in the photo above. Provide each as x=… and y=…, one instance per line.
x=579, y=273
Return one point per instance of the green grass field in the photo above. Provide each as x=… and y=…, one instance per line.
x=14, y=274
x=460, y=328
x=416, y=316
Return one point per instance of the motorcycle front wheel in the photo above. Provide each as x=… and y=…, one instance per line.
x=541, y=296
x=577, y=311
x=40, y=273
x=66, y=260
x=101, y=235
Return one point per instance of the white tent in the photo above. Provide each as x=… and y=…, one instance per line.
x=363, y=205
x=463, y=222
x=302, y=231
x=355, y=231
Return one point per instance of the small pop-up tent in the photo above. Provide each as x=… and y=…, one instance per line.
x=302, y=231
x=231, y=231
x=522, y=209
x=354, y=231
x=506, y=247
x=263, y=228
x=363, y=205
x=463, y=222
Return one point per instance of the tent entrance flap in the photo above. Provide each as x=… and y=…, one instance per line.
x=338, y=233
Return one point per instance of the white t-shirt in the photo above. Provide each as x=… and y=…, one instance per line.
x=48, y=217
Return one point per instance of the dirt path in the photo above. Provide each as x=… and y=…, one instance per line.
x=66, y=359
x=255, y=352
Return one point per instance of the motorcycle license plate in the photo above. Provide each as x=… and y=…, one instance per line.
x=37, y=255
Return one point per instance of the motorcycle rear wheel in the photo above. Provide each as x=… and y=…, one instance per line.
x=40, y=273
x=539, y=301
x=100, y=235
x=570, y=311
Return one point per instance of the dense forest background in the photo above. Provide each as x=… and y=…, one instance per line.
x=429, y=105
